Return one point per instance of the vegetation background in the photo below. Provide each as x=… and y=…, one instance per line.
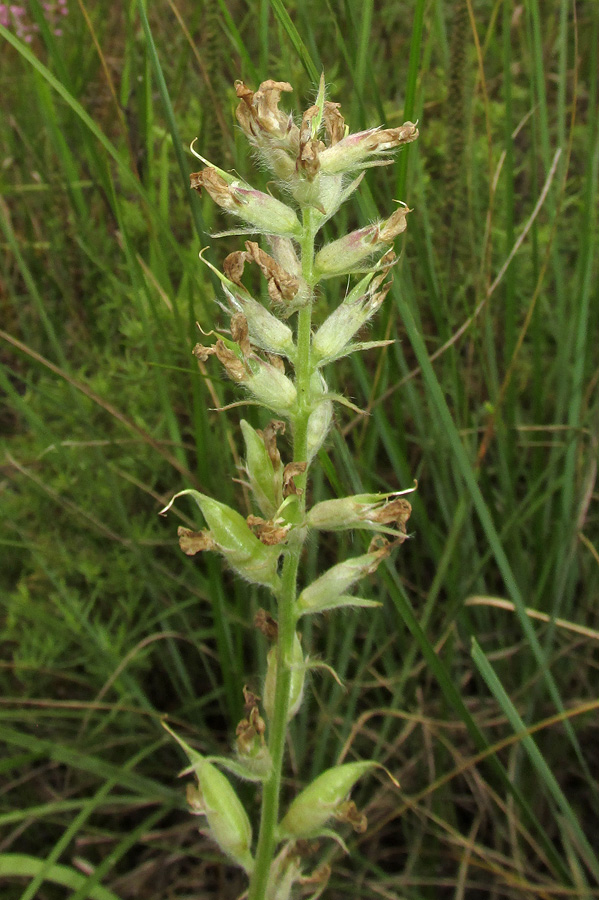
x=476, y=683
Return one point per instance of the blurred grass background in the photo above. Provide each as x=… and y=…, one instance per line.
x=476, y=683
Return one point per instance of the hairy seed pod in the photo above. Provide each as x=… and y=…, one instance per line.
x=314, y=806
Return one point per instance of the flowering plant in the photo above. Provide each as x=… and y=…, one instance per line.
x=317, y=164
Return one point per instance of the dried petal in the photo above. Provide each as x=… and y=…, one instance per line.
x=334, y=122
x=216, y=186
x=291, y=471
x=282, y=286
x=269, y=436
x=349, y=813
x=395, y=512
x=250, y=700
x=203, y=353
x=239, y=333
x=192, y=542
x=268, y=532
x=233, y=266
x=265, y=623
x=394, y=225
x=234, y=367
x=259, y=111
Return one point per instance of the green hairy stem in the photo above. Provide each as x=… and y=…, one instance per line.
x=318, y=163
x=287, y=597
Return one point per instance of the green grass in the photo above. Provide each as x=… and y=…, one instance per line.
x=488, y=397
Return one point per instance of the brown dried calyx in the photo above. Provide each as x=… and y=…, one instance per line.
x=282, y=286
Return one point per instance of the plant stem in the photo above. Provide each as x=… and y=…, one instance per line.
x=287, y=595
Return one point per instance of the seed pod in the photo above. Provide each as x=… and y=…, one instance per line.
x=332, y=339
x=267, y=214
x=272, y=387
x=296, y=688
x=329, y=590
x=319, y=424
x=266, y=485
x=360, y=149
x=348, y=254
x=215, y=798
x=315, y=805
x=234, y=539
x=228, y=823
x=373, y=512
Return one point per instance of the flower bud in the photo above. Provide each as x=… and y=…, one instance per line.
x=359, y=150
x=296, y=687
x=329, y=590
x=267, y=214
x=248, y=556
x=266, y=485
x=311, y=809
x=272, y=387
x=374, y=512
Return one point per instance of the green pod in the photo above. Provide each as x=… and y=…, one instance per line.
x=215, y=798
x=347, y=254
x=265, y=330
x=344, y=512
x=319, y=423
x=272, y=388
x=227, y=819
x=311, y=810
x=266, y=484
x=373, y=512
x=248, y=556
x=328, y=591
x=296, y=687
